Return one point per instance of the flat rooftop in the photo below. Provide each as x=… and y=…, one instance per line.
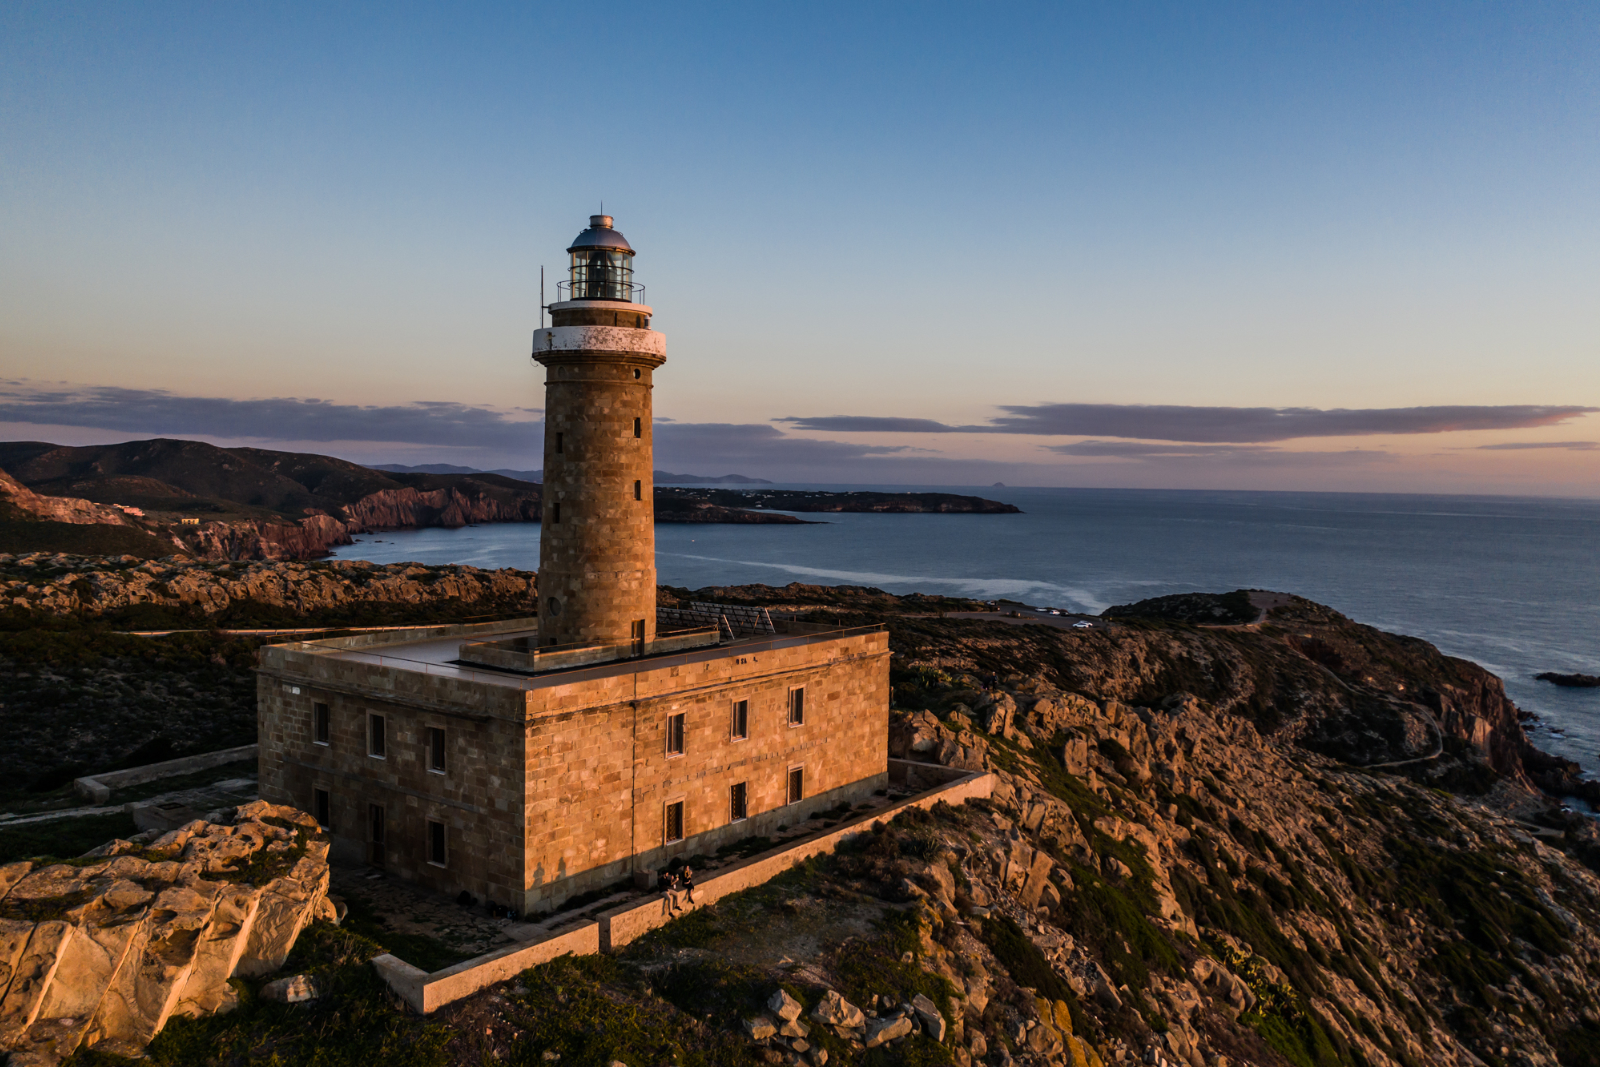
x=435, y=651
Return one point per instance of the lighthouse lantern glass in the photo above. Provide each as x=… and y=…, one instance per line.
x=602, y=274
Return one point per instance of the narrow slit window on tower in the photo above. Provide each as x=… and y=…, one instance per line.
x=741, y=720
x=560, y=440
x=376, y=738
x=638, y=427
x=740, y=807
x=675, y=735
x=322, y=807
x=638, y=489
x=636, y=628
x=555, y=512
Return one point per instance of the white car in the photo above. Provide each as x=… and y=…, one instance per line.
x=1080, y=625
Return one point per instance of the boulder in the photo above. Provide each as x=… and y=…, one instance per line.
x=139, y=933
x=760, y=1028
x=888, y=1028
x=834, y=1010
x=929, y=1016
x=784, y=1006
x=292, y=990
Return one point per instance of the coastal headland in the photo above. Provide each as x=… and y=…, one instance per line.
x=1292, y=839
x=163, y=497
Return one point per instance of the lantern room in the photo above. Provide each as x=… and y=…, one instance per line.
x=602, y=265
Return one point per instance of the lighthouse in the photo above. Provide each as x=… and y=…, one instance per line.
x=597, y=570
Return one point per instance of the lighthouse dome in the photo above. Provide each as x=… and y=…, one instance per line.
x=600, y=235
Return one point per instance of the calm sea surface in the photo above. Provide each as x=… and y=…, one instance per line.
x=1513, y=584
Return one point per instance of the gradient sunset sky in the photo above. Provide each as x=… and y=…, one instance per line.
x=1212, y=245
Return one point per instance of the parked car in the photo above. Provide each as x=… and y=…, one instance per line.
x=1081, y=625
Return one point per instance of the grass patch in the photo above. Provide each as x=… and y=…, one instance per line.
x=591, y=1010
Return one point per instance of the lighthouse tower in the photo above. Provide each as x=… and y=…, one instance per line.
x=597, y=568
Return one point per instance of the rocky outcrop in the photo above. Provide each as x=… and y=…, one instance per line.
x=387, y=509
x=91, y=586
x=59, y=508
x=101, y=952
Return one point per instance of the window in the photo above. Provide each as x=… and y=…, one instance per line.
x=741, y=720
x=436, y=843
x=375, y=834
x=797, y=707
x=638, y=424
x=436, y=749
x=322, y=807
x=637, y=628
x=375, y=736
x=674, y=828
x=319, y=724
x=560, y=441
x=638, y=489
x=555, y=512
x=675, y=735
x=797, y=784
x=740, y=807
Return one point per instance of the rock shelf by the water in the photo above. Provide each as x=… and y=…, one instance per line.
x=1570, y=681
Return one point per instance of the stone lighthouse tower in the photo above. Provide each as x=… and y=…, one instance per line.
x=597, y=567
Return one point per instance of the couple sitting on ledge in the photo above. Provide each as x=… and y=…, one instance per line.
x=677, y=888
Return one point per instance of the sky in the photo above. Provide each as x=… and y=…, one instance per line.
x=1340, y=246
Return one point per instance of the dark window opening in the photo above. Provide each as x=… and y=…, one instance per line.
x=740, y=807
x=675, y=821
x=797, y=784
x=797, y=707
x=375, y=834
x=436, y=749
x=555, y=512
x=375, y=736
x=638, y=427
x=560, y=440
x=322, y=808
x=675, y=735
x=741, y=719
x=638, y=490
x=637, y=628
x=436, y=843
x=320, y=723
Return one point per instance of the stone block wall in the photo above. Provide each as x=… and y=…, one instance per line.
x=597, y=566
x=600, y=776
x=478, y=798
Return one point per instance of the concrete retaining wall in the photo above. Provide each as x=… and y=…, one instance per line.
x=97, y=789
x=428, y=992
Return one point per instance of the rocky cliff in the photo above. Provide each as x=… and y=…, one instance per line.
x=102, y=951
x=53, y=584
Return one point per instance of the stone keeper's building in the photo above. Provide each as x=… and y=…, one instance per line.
x=529, y=761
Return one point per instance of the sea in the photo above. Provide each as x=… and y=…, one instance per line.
x=1511, y=583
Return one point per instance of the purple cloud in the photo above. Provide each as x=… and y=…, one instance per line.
x=1174, y=422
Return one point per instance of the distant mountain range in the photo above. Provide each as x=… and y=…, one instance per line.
x=660, y=477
